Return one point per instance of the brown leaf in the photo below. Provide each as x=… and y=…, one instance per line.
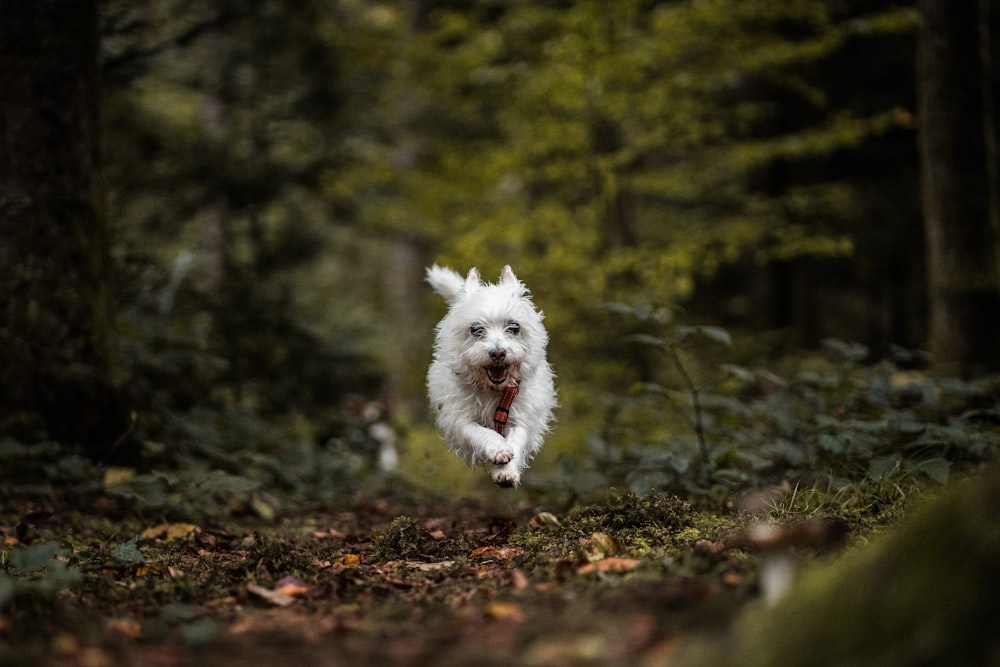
x=169, y=531
x=732, y=579
x=118, y=476
x=430, y=567
x=274, y=597
x=610, y=565
x=544, y=519
x=506, y=611
x=488, y=550
x=518, y=579
x=506, y=553
x=605, y=544
x=127, y=627
x=347, y=561
x=292, y=585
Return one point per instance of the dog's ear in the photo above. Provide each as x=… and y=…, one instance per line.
x=472, y=282
x=510, y=281
x=445, y=282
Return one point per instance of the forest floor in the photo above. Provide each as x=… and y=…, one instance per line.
x=199, y=563
x=619, y=579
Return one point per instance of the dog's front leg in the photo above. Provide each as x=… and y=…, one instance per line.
x=508, y=473
x=486, y=445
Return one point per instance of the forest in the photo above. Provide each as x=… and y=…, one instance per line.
x=765, y=237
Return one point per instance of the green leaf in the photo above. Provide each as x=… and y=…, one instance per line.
x=712, y=333
x=37, y=556
x=646, y=339
x=128, y=552
x=739, y=372
x=225, y=485
x=937, y=469
x=855, y=352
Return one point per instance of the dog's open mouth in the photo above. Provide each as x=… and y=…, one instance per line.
x=497, y=373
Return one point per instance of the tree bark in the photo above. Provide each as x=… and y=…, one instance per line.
x=55, y=310
x=955, y=145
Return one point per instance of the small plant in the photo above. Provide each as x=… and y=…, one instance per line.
x=37, y=572
x=843, y=434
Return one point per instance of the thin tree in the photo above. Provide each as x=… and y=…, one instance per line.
x=55, y=310
x=955, y=117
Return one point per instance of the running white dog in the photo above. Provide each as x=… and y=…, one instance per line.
x=490, y=382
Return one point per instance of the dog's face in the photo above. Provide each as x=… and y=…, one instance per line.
x=495, y=333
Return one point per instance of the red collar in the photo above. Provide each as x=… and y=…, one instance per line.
x=503, y=409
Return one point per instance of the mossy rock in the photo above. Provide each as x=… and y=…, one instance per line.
x=924, y=594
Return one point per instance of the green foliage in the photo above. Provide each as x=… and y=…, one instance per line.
x=838, y=434
x=242, y=352
x=268, y=162
x=628, y=152
x=36, y=573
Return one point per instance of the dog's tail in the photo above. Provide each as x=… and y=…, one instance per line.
x=445, y=282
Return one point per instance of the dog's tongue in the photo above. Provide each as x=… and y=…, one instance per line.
x=497, y=373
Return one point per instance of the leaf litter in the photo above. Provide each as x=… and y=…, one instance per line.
x=120, y=567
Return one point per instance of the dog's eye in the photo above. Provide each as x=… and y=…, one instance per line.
x=514, y=329
x=477, y=330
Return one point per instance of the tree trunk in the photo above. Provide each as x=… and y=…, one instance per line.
x=55, y=310
x=953, y=112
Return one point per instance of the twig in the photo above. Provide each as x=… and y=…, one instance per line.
x=696, y=402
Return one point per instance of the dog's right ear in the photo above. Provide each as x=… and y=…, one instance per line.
x=445, y=282
x=472, y=281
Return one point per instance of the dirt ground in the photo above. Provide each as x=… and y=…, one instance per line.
x=618, y=580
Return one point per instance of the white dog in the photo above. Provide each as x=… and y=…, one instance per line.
x=490, y=382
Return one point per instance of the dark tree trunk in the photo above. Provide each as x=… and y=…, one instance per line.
x=55, y=311
x=956, y=162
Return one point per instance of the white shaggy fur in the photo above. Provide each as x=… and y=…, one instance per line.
x=491, y=338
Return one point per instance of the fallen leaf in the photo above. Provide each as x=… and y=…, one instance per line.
x=292, y=586
x=505, y=611
x=506, y=553
x=262, y=508
x=127, y=627
x=169, y=531
x=605, y=544
x=347, y=561
x=118, y=476
x=431, y=567
x=500, y=553
x=610, y=565
x=544, y=519
x=732, y=579
x=488, y=550
x=228, y=601
x=274, y=597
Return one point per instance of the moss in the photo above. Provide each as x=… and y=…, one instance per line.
x=648, y=527
x=922, y=594
x=405, y=539
x=655, y=513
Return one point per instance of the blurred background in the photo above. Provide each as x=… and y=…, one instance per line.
x=280, y=173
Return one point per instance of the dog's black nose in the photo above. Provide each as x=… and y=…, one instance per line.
x=498, y=355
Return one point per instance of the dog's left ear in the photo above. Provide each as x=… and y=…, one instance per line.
x=472, y=281
x=510, y=281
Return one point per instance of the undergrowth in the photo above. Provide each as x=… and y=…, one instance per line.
x=828, y=432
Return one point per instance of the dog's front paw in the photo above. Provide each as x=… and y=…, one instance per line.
x=503, y=456
x=505, y=477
